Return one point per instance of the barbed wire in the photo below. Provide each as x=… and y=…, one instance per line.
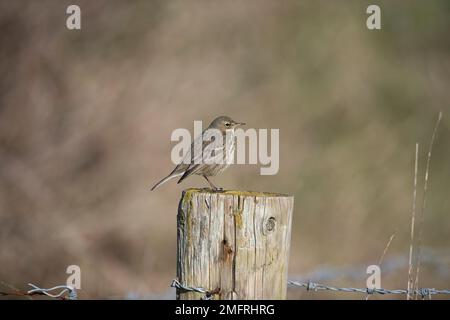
x=66, y=293
x=313, y=286
x=423, y=292
x=70, y=293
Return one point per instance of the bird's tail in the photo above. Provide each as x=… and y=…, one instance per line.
x=169, y=177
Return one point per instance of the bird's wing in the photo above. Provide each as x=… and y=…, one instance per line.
x=192, y=169
x=195, y=154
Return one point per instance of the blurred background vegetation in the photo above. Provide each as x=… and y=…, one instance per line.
x=86, y=118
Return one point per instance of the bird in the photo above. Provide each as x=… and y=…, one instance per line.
x=214, y=156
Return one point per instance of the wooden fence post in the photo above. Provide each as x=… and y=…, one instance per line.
x=234, y=241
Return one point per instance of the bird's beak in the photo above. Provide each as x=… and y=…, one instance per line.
x=240, y=124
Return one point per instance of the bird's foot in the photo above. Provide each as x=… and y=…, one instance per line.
x=217, y=189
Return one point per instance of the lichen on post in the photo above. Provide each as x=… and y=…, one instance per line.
x=234, y=244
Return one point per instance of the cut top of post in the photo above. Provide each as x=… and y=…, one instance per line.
x=235, y=193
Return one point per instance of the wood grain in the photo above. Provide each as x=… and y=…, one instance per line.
x=235, y=243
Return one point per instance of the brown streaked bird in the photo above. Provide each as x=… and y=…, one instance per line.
x=214, y=157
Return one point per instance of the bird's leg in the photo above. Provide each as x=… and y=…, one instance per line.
x=214, y=188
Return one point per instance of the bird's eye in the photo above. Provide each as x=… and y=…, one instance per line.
x=227, y=124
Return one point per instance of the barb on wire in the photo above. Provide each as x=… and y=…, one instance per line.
x=208, y=295
x=66, y=293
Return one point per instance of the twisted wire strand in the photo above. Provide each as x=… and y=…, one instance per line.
x=66, y=292
x=313, y=286
x=72, y=293
x=424, y=292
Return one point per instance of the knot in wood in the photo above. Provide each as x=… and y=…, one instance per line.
x=270, y=225
x=226, y=249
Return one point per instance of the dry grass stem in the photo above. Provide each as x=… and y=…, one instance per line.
x=424, y=198
x=413, y=219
